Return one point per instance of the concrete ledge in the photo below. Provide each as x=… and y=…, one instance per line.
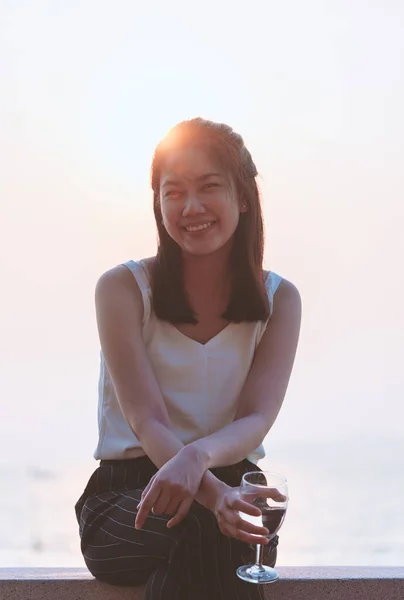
x=296, y=583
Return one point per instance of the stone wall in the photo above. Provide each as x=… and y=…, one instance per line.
x=296, y=583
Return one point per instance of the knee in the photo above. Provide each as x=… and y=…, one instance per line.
x=116, y=570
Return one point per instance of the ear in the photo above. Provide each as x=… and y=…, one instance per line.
x=243, y=207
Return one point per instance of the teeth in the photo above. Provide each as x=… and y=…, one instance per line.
x=199, y=227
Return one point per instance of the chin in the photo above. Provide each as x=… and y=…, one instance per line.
x=203, y=249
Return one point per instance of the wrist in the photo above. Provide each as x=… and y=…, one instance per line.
x=211, y=490
x=197, y=455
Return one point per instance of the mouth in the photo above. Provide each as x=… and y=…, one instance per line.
x=200, y=227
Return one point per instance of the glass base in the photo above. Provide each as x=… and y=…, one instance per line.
x=254, y=574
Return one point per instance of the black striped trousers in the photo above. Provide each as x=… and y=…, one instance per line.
x=192, y=561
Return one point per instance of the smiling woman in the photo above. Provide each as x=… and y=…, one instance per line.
x=205, y=198
x=197, y=352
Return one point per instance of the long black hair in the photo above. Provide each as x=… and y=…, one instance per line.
x=248, y=298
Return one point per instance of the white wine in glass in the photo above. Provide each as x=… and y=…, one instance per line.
x=269, y=492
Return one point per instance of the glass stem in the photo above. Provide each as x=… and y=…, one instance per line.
x=259, y=555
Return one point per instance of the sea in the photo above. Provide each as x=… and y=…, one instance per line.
x=345, y=508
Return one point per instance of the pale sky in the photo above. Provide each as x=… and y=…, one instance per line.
x=89, y=87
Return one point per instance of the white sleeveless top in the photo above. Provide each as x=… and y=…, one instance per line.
x=200, y=383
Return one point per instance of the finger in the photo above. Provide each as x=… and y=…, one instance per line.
x=236, y=520
x=245, y=507
x=173, y=506
x=148, y=486
x=273, y=493
x=250, y=527
x=181, y=512
x=163, y=501
x=243, y=536
x=145, y=506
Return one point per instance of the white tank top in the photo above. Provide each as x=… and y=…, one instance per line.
x=200, y=383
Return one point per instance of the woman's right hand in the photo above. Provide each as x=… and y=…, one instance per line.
x=173, y=488
x=227, y=507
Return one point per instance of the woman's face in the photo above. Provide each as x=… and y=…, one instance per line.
x=199, y=205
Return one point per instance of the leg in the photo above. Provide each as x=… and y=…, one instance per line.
x=114, y=551
x=112, y=548
x=193, y=560
x=194, y=556
x=214, y=558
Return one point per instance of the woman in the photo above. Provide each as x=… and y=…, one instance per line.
x=197, y=351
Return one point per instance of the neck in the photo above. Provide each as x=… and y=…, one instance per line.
x=208, y=272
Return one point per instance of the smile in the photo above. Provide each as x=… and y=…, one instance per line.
x=192, y=228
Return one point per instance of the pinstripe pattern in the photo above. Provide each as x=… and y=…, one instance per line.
x=193, y=560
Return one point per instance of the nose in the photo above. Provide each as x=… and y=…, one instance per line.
x=193, y=206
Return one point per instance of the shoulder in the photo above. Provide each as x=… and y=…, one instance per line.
x=121, y=276
x=287, y=300
x=282, y=329
x=119, y=285
x=117, y=297
x=116, y=280
x=286, y=291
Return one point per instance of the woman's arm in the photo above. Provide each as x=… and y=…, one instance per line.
x=264, y=390
x=119, y=313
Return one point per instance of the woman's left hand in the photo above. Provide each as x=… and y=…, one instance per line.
x=172, y=489
x=231, y=503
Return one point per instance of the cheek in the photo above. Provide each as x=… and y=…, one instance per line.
x=234, y=223
x=169, y=215
x=164, y=208
x=231, y=215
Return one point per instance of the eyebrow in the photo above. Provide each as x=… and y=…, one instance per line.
x=200, y=178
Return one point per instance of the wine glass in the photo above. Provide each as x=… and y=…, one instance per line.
x=268, y=491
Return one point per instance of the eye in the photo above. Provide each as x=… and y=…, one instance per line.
x=174, y=194
x=208, y=186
